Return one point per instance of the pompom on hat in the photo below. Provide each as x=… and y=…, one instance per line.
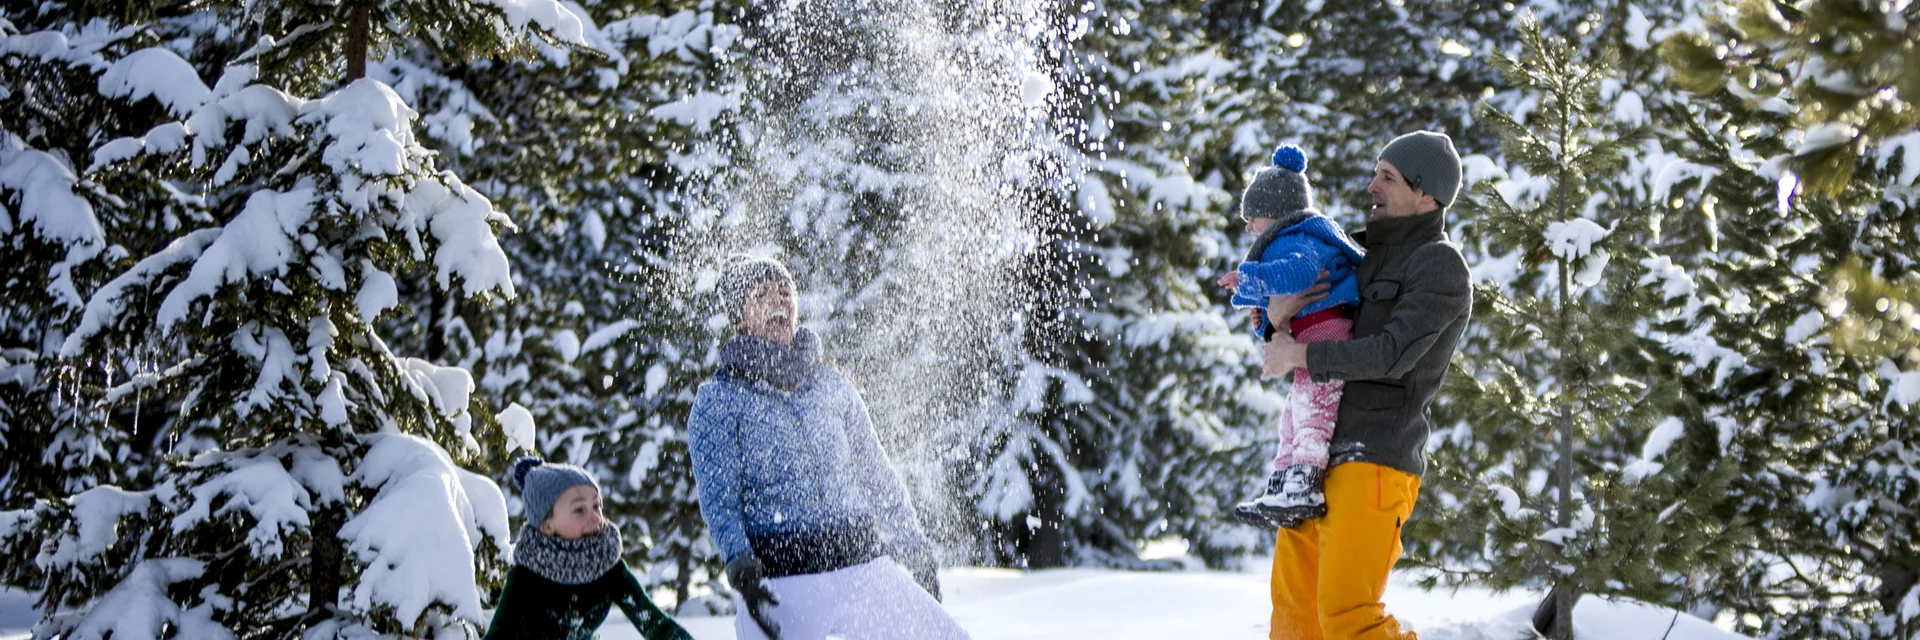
x=1291, y=158
x=1280, y=189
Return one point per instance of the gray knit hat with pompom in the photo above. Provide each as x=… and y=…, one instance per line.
x=541, y=483
x=1280, y=189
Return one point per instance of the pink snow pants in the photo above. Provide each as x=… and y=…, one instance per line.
x=1306, y=424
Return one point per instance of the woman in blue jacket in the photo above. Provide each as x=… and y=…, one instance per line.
x=816, y=528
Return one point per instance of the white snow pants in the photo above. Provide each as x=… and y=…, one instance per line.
x=873, y=601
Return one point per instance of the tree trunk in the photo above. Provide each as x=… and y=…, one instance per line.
x=437, y=310
x=1045, y=548
x=355, y=48
x=683, y=559
x=1563, y=613
x=324, y=580
x=1563, y=589
x=1550, y=618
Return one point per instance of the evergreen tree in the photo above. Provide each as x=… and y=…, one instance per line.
x=1561, y=351
x=1741, y=367
x=60, y=239
x=1147, y=393
x=584, y=149
x=1804, y=122
x=305, y=461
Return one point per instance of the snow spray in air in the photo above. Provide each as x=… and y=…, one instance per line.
x=911, y=162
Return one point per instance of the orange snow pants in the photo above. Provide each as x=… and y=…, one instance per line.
x=1329, y=574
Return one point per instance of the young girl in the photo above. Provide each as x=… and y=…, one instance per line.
x=567, y=572
x=1296, y=244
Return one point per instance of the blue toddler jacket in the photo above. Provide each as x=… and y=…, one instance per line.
x=1292, y=262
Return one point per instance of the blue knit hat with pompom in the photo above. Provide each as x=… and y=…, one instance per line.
x=541, y=483
x=1279, y=189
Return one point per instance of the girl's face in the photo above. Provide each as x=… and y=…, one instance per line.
x=576, y=514
x=769, y=313
x=1257, y=226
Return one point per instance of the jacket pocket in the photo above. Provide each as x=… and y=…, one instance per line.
x=1373, y=395
x=1377, y=301
x=1381, y=290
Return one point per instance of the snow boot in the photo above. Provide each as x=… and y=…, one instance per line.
x=1255, y=513
x=1294, y=495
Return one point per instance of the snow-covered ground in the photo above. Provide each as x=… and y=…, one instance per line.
x=1003, y=604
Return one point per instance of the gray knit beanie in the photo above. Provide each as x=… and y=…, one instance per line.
x=1429, y=163
x=541, y=483
x=741, y=276
x=1279, y=189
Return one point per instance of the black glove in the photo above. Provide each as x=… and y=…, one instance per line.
x=744, y=573
x=925, y=571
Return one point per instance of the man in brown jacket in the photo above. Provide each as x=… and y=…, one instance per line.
x=1415, y=299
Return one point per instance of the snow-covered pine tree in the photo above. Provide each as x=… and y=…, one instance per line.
x=57, y=229
x=585, y=150
x=1464, y=449
x=310, y=479
x=1803, y=131
x=1168, y=434
x=1570, y=398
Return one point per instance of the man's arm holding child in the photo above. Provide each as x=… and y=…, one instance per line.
x=1434, y=296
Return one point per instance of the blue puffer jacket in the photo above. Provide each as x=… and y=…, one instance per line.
x=769, y=462
x=1292, y=262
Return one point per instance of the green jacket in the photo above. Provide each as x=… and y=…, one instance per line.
x=1416, y=296
x=535, y=608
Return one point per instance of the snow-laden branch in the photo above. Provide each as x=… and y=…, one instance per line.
x=419, y=535
x=160, y=74
x=550, y=16
x=139, y=607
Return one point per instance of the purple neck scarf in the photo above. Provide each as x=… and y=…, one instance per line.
x=757, y=358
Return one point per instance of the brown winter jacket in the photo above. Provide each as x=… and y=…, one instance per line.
x=1416, y=296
